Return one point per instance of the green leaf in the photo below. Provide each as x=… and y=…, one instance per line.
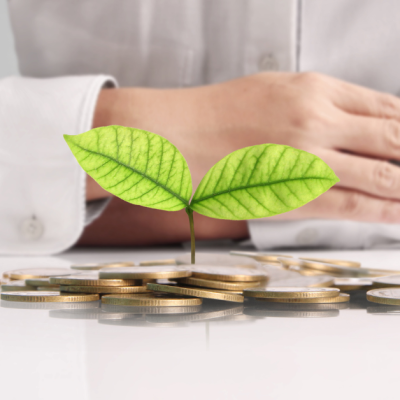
x=261, y=181
x=139, y=167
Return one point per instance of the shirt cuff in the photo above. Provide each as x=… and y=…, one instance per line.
x=43, y=201
x=317, y=233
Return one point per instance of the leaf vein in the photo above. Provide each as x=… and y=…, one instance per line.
x=139, y=173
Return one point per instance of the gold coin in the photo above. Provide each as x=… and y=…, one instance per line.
x=334, y=269
x=346, y=284
x=202, y=293
x=151, y=263
x=217, y=284
x=34, y=273
x=40, y=282
x=103, y=290
x=387, y=281
x=49, y=306
x=88, y=267
x=224, y=273
x=99, y=266
x=110, y=311
x=128, y=300
x=93, y=280
x=389, y=296
x=291, y=292
x=309, y=272
x=290, y=262
x=51, y=297
x=341, y=298
x=17, y=286
x=154, y=272
x=48, y=288
x=236, y=291
x=259, y=256
x=342, y=263
x=119, y=264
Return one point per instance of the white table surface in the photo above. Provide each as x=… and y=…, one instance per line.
x=352, y=355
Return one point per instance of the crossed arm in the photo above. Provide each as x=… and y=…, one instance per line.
x=355, y=130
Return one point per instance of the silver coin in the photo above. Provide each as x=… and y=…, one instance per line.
x=17, y=286
x=39, y=282
x=391, y=280
x=304, y=281
x=389, y=296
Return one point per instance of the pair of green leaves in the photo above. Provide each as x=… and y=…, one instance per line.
x=254, y=182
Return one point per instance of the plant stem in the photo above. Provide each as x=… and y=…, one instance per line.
x=189, y=212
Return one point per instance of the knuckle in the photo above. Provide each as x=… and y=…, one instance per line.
x=392, y=132
x=352, y=205
x=384, y=176
x=309, y=119
x=389, y=106
x=390, y=212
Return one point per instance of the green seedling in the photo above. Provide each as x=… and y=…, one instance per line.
x=143, y=168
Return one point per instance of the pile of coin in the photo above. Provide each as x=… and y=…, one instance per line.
x=242, y=286
x=302, y=295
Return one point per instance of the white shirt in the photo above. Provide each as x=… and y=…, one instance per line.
x=169, y=43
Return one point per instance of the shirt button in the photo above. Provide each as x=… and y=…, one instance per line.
x=32, y=228
x=268, y=62
x=307, y=237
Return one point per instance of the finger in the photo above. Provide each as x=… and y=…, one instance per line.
x=375, y=137
x=346, y=204
x=373, y=176
x=359, y=100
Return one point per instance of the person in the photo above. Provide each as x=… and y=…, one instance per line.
x=211, y=77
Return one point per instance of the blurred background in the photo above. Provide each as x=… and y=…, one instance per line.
x=8, y=63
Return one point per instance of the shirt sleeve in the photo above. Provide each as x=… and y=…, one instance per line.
x=318, y=233
x=43, y=188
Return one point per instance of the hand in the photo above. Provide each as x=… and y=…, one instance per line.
x=354, y=129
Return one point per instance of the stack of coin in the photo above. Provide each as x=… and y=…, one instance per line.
x=223, y=279
x=298, y=295
x=214, y=282
x=30, y=279
x=92, y=283
x=334, y=267
x=149, y=299
x=43, y=284
x=17, y=286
